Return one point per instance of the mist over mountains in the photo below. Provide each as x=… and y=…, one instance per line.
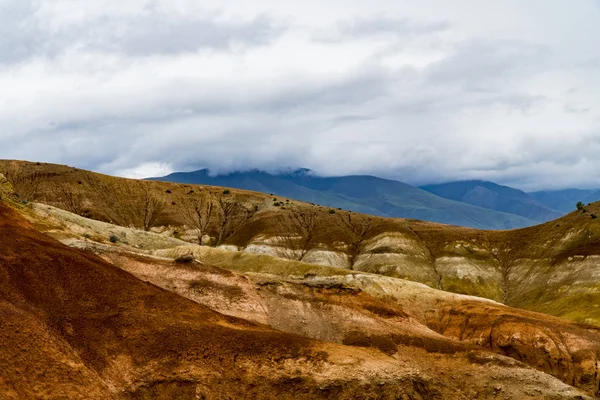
x=475, y=204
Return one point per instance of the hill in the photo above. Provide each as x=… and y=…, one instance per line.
x=495, y=197
x=364, y=194
x=551, y=268
x=77, y=326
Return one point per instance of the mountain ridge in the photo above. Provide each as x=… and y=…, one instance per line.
x=496, y=197
x=360, y=193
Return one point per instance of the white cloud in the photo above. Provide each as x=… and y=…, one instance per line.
x=146, y=170
x=425, y=91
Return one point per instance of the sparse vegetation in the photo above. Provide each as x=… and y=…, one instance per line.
x=198, y=212
x=233, y=215
x=296, y=231
x=152, y=207
x=356, y=228
x=185, y=259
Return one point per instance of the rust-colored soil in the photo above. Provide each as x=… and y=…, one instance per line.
x=74, y=326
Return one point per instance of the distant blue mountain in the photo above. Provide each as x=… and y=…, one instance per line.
x=496, y=197
x=565, y=200
x=360, y=193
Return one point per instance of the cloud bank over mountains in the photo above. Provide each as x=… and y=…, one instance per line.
x=421, y=93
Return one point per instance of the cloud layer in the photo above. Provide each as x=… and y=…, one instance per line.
x=420, y=93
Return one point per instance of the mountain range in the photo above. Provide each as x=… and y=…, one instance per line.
x=475, y=204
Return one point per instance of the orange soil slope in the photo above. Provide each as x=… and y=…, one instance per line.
x=74, y=326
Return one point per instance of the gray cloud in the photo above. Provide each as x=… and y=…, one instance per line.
x=396, y=26
x=124, y=87
x=152, y=31
x=156, y=34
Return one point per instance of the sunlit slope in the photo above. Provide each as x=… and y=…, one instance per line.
x=553, y=268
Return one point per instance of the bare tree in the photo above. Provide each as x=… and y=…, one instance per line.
x=70, y=201
x=197, y=211
x=297, y=231
x=151, y=208
x=233, y=216
x=25, y=185
x=356, y=227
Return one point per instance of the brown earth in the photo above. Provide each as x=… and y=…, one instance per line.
x=552, y=268
x=338, y=311
x=75, y=326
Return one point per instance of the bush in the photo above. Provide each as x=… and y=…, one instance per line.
x=226, y=191
x=168, y=191
x=87, y=235
x=332, y=211
x=188, y=258
x=580, y=206
x=594, y=216
x=113, y=238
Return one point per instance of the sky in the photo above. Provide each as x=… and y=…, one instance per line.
x=422, y=92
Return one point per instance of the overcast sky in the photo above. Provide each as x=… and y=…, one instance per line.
x=423, y=91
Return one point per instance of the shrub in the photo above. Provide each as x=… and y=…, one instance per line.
x=188, y=258
x=226, y=191
x=580, y=206
x=87, y=235
x=113, y=238
x=594, y=216
x=168, y=191
x=332, y=211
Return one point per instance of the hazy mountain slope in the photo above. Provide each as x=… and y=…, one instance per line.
x=278, y=185
x=496, y=197
x=365, y=194
x=566, y=200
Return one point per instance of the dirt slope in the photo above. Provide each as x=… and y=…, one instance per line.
x=75, y=326
x=552, y=268
x=366, y=311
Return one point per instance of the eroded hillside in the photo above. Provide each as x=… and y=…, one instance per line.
x=76, y=326
x=552, y=268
